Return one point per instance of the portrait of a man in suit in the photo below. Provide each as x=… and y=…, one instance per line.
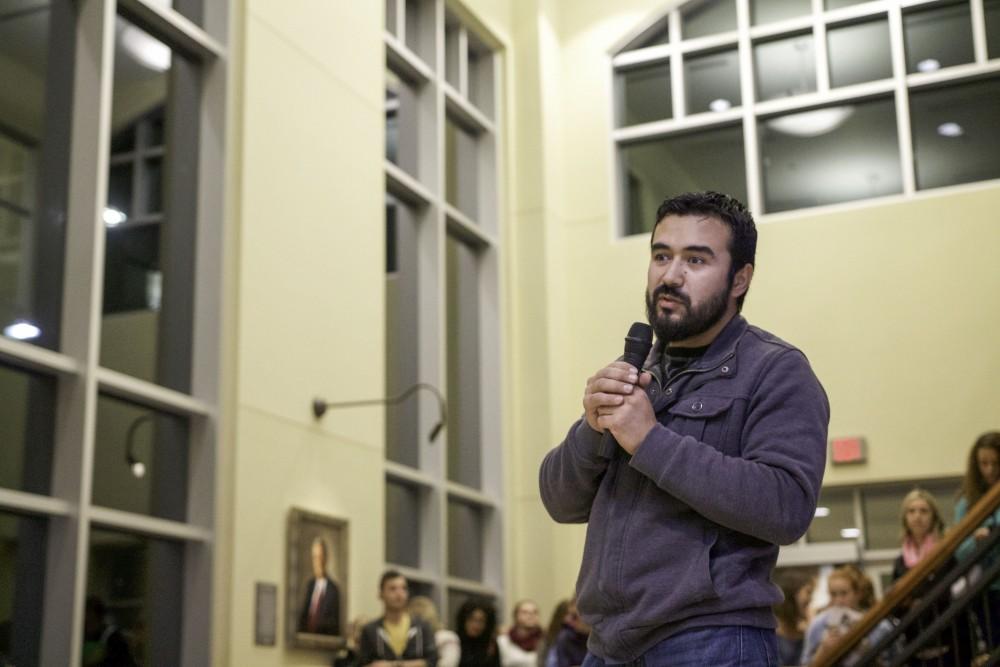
x=320, y=611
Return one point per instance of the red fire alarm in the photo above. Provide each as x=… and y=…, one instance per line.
x=847, y=450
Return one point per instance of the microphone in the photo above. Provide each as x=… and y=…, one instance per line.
x=638, y=342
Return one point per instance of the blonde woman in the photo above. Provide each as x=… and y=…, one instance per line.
x=448, y=647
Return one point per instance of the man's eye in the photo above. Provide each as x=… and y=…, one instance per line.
x=696, y=260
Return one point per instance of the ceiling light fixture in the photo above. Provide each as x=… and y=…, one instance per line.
x=113, y=217
x=811, y=123
x=720, y=105
x=850, y=533
x=151, y=53
x=822, y=512
x=950, y=130
x=928, y=65
x=22, y=330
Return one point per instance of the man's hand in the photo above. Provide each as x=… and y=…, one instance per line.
x=607, y=389
x=632, y=420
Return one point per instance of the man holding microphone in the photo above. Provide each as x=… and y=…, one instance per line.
x=693, y=469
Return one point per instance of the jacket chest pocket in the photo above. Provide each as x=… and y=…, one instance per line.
x=705, y=418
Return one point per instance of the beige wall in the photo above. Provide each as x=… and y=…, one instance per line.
x=885, y=298
x=310, y=283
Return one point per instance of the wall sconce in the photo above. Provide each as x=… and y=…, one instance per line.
x=320, y=406
x=137, y=467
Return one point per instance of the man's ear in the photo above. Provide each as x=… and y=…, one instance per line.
x=741, y=280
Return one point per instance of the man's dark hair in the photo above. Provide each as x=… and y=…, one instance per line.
x=731, y=212
x=387, y=576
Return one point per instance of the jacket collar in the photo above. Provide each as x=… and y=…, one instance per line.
x=722, y=347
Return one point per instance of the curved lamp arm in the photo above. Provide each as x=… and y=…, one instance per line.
x=138, y=467
x=320, y=406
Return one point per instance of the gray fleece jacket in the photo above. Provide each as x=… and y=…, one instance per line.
x=685, y=533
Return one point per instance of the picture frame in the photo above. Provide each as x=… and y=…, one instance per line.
x=317, y=548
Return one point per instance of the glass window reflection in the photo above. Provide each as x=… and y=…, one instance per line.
x=769, y=11
x=465, y=540
x=22, y=557
x=701, y=18
x=940, y=36
x=859, y=52
x=991, y=10
x=830, y=155
x=462, y=289
x=27, y=418
x=956, y=138
x=402, y=524
x=704, y=160
x=712, y=81
x=644, y=94
x=785, y=67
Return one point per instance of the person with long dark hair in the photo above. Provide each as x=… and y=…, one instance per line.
x=981, y=473
x=476, y=625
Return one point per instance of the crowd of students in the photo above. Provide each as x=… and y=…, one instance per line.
x=805, y=634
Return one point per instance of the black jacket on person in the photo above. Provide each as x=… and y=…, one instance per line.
x=419, y=644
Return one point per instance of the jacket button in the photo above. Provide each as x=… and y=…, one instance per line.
x=724, y=369
x=668, y=391
x=696, y=406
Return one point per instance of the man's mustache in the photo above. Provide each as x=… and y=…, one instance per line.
x=673, y=293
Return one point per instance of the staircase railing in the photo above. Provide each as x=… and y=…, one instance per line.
x=905, y=588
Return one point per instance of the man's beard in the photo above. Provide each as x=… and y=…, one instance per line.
x=695, y=320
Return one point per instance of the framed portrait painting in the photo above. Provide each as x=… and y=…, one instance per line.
x=316, y=605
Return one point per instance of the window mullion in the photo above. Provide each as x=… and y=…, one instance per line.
x=896, y=41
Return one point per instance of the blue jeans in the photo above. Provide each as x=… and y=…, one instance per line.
x=722, y=646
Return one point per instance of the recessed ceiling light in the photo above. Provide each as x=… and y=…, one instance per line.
x=850, y=533
x=928, y=65
x=720, y=105
x=811, y=123
x=950, y=129
x=22, y=330
x=822, y=512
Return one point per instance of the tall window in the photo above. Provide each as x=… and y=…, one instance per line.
x=110, y=237
x=443, y=498
x=797, y=103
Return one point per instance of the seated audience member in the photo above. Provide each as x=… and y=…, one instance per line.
x=547, y=647
x=792, y=614
x=449, y=651
x=982, y=472
x=476, y=625
x=571, y=643
x=922, y=529
x=518, y=646
x=396, y=639
x=851, y=594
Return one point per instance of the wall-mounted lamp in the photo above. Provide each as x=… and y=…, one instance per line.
x=320, y=406
x=137, y=467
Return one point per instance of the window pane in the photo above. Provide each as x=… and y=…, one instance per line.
x=461, y=173
x=644, y=94
x=22, y=573
x=35, y=111
x=859, y=53
x=785, y=67
x=480, y=75
x=992, y=10
x=837, y=4
x=656, y=169
x=420, y=28
x=463, y=359
x=938, y=37
x=712, y=81
x=452, y=55
x=707, y=17
x=402, y=341
x=390, y=16
x=465, y=540
x=840, y=504
x=402, y=524
x=830, y=155
x=140, y=460
x=392, y=104
x=149, y=254
x=956, y=138
x=769, y=11
x=135, y=584
x=27, y=419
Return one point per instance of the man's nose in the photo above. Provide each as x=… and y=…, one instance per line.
x=673, y=273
